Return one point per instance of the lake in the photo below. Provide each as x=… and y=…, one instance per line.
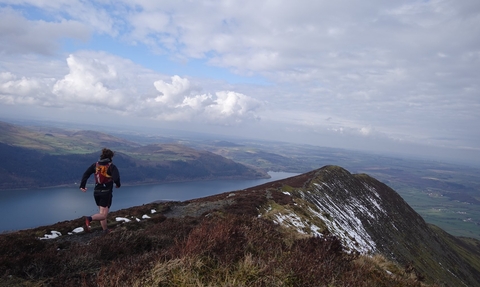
x=23, y=209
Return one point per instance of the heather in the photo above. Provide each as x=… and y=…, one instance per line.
x=215, y=250
x=202, y=243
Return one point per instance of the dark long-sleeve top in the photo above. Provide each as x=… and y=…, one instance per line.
x=112, y=171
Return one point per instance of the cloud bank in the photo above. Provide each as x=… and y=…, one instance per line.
x=99, y=81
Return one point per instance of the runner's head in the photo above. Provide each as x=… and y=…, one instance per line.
x=106, y=153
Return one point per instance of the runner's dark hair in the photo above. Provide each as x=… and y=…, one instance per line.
x=106, y=153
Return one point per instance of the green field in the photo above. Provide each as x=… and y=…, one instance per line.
x=455, y=217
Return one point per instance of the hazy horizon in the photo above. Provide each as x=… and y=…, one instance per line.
x=199, y=136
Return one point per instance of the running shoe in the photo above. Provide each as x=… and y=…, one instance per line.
x=87, y=224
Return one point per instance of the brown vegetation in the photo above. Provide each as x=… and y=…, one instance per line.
x=221, y=247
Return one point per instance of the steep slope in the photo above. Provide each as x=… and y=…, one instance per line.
x=370, y=217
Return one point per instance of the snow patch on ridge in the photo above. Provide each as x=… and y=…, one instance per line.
x=343, y=220
x=291, y=219
x=373, y=201
x=342, y=216
x=343, y=223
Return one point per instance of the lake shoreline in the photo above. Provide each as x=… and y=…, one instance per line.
x=140, y=183
x=44, y=206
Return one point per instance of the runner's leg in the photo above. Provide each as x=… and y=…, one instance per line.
x=102, y=216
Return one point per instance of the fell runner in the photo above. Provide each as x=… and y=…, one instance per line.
x=106, y=175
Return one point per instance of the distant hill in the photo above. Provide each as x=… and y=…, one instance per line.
x=59, y=141
x=55, y=157
x=326, y=227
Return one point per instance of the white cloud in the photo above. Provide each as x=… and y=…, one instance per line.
x=173, y=93
x=90, y=82
x=25, y=36
x=365, y=131
x=233, y=106
x=101, y=81
x=22, y=90
x=223, y=107
x=96, y=15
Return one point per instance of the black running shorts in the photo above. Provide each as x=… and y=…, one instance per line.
x=103, y=199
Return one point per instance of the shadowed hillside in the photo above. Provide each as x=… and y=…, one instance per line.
x=323, y=228
x=32, y=159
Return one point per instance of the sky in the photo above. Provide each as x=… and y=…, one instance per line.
x=398, y=77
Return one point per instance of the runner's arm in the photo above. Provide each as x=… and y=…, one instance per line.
x=116, y=176
x=90, y=170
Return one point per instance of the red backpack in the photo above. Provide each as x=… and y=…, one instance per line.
x=101, y=175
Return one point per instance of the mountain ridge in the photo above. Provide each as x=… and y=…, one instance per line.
x=359, y=216
x=345, y=219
